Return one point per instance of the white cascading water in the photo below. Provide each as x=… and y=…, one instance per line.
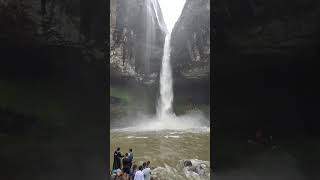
x=166, y=93
x=164, y=109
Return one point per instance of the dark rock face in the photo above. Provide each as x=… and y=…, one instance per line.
x=44, y=52
x=24, y=22
x=13, y=123
x=49, y=37
x=190, y=41
x=137, y=36
x=190, y=53
x=265, y=61
x=261, y=27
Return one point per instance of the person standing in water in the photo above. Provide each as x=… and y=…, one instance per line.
x=117, y=159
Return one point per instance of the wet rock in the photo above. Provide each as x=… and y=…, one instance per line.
x=187, y=163
x=195, y=168
x=185, y=169
x=167, y=173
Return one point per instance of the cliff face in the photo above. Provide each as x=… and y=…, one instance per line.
x=266, y=54
x=48, y=29
x=136, y=39
x=51, y=82
x=267, y=27
x=43, y=50
x=190, y=42
x=33, y=22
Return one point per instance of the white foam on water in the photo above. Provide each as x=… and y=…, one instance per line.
x=191, y=122
x=137, y=137
x=167, y=136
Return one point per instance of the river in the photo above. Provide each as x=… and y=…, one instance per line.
x=164, y=147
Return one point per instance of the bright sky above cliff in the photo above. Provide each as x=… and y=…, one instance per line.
x=171, y=11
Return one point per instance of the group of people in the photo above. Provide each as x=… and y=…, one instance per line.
x=129, y=171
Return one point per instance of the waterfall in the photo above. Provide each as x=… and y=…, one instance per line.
x=166, y=93
x=171, y=14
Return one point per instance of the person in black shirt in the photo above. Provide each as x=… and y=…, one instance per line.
x=126, y=164
x=117, y=159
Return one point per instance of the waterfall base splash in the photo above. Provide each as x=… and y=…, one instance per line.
x=189, y=121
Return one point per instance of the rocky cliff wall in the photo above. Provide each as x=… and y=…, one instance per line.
x=136, y=39
x=190, y=55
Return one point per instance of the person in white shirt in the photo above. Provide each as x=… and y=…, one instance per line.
x=139, y=174
x=146, y=171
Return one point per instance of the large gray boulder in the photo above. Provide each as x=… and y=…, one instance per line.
x=192, y=169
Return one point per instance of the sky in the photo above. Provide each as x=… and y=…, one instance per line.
x=171, y=10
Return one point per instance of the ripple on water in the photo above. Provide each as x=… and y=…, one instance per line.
x=171, y=136
x=170, y=131
x=137, y=137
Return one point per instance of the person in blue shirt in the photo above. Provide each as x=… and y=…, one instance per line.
x=130, y=155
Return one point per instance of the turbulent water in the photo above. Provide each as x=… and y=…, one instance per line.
x=163, y=148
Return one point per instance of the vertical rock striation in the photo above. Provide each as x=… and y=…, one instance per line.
x=136, y=39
